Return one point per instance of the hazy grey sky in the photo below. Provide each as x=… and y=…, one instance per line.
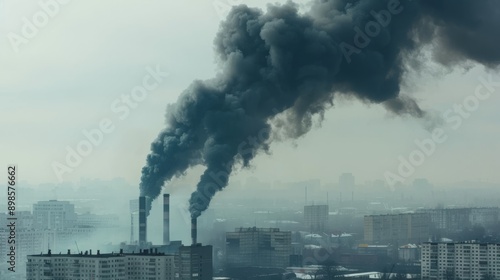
x=67, y=76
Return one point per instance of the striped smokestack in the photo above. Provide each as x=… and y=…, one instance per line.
x=166, y=219
x=194, y=230
x=142, y=220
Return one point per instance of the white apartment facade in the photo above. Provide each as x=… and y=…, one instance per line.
x=146, y=266
x=116, y=266
x=75, y=266
x=472, y=261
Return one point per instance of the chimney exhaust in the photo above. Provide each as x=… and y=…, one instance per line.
x=166, y=219
x=142, y=221
x=194, y=230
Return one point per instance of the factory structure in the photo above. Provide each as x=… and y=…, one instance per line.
x=192, y=262
x=140, y=260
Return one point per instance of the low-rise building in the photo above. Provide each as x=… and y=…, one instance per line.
x=409, y=253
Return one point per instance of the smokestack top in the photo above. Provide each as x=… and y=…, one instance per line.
x=194, y=231
x=166, y=219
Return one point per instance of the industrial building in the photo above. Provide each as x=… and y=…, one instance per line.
x=397, y=229
x=266, y=247
x=474, y=261
x=140, y=207
x=315, y=218
x=192, y=262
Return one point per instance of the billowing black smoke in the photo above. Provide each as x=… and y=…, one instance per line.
x=292, y=64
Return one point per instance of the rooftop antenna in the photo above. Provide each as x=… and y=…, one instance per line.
x=77, y=249
x=306, y=196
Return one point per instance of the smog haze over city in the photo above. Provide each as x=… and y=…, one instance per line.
x=276, y=139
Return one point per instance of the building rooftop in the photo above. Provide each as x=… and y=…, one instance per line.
x=99, y=255
x=463, y=242
x=409, y=246
x=246, y=229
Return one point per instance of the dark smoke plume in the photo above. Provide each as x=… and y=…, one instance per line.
x=292, y=64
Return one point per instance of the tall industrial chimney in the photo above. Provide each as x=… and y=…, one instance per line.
x=166, y=219
x=194, y=230
x=142, y=221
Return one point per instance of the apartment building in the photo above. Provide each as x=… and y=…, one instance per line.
x=53, y=214
x=315, y=218
x=453, y=219
x=266, y=247
x=194, y=263
x=472, y=261
x=117, y=266
x=396, y=229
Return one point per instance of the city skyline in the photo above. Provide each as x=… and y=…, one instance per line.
x=250, y=140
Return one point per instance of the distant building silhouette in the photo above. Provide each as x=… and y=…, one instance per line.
x=454, y=219
x=397, y=229
x=346, y=180
x=53, y=214
x=266, y=247
x=315, y=218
